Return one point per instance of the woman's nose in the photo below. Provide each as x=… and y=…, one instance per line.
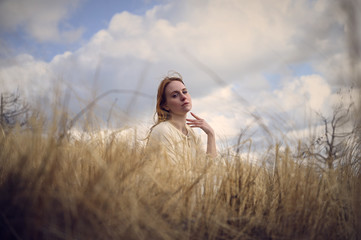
x=183, y=97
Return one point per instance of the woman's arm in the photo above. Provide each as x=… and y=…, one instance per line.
x=211, y=138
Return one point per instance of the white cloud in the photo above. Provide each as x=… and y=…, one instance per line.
x=232, y=35
x=310, y=91
x=241, y=41
x=39, y=18
x=226, y=113
x=33, y=78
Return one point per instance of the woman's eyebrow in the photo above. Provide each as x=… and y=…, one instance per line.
x=179, y=90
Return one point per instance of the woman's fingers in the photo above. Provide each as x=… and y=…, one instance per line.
x=196, y=121
x=192, y=120
x=193, y=123
x=195, y=116
x=200, y=123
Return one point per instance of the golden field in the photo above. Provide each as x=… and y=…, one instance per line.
x=55, y=187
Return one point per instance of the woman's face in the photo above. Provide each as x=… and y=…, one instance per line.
x=178, y=100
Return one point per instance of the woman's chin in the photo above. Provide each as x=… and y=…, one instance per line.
x=188, y=109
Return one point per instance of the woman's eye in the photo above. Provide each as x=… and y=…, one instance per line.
x=185, y=92
x=175, y=95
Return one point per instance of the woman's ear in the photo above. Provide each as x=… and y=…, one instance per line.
x=165, y=108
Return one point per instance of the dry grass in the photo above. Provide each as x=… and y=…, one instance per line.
x=53, y=188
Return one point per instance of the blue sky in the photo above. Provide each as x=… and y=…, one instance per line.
x=282, y=58
x=90, y=15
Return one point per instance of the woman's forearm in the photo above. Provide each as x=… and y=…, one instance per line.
x=211, y=145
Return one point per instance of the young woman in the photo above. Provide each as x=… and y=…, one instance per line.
x=173, y=130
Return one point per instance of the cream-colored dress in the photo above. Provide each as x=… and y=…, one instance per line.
x=178, y=147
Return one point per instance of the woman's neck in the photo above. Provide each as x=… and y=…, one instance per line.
x=179, y=122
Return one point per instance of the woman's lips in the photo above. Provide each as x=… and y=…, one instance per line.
x=186, y=103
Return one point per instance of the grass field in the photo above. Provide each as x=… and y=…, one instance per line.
x=55, y=187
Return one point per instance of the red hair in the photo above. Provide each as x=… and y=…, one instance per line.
x=163, y=114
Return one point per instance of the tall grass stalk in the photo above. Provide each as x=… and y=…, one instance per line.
x=96, y=188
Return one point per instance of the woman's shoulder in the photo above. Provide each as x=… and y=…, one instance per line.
x=161, y=128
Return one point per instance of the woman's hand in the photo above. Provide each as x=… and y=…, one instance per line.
x=211, y=138
x=201, y=123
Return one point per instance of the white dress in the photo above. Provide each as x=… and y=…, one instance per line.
x=178, y=147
